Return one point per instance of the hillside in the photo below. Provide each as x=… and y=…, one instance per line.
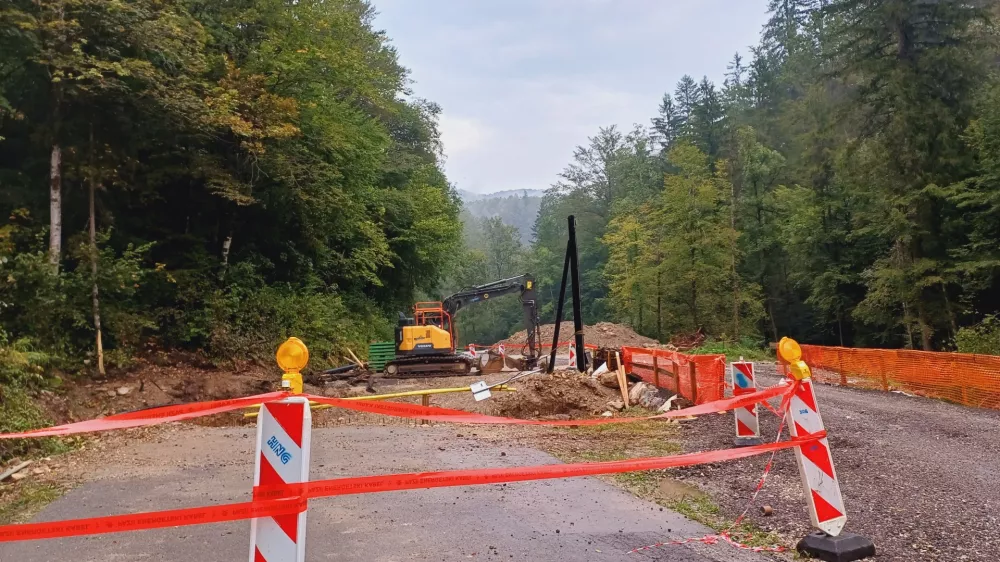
x=517, y=208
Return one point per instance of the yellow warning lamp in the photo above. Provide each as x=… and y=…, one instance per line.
x=790, y=353
x=292, y=357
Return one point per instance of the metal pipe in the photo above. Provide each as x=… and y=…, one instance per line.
x=574, y=268
x=559, y=313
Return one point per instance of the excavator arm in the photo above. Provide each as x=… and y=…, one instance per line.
x=523, y=284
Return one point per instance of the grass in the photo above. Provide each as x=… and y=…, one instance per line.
x=734, y=350
x=22, y=502
x=705, y=511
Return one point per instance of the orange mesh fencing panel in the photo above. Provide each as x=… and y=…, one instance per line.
x=673, y=372
x=972, y=380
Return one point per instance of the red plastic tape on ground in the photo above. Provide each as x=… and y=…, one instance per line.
x=418, y=480
x=429, y=413
x=152, y=520
x=151, y=416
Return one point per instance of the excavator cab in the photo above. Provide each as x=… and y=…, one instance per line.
x=425, y=344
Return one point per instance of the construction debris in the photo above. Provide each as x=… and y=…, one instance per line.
x=15, y=470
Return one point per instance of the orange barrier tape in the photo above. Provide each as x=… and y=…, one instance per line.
x=295, y=496
x=151, y=416
x=429, y=413
x=152, y=520
x=181, y=412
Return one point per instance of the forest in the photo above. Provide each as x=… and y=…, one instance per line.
x=842, y=186
x=216, y=176
x=210, y=176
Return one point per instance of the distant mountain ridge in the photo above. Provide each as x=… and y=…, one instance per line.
x=469, y=197
x=516, y=207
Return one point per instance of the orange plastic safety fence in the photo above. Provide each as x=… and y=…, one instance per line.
x=673, y=372
x=972, y=380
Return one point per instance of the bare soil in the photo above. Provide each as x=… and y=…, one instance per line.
x=557, y=396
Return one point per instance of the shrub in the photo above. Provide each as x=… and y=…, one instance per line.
x=983, y=338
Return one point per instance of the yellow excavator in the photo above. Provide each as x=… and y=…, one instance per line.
x=425, y=343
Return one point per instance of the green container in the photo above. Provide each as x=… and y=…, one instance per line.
x=380, y=353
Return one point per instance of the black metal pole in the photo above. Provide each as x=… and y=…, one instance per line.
x=574, y=269
x=559, y=313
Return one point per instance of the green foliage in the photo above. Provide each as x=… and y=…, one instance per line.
x=747, y=348
x=983, y=338
x=261, y=170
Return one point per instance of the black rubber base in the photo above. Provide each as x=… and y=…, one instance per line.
x=747, y=441
x=845, y=547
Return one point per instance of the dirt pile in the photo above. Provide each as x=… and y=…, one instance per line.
x=556, y=396
x=155, y=381
x=602, y=334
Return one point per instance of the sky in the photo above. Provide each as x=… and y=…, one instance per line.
x=521, y=83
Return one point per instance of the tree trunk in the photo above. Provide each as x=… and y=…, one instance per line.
x=840, y=328
x=925, y=328
x=948, y=311
x=659, y=306
x=94, y=292
x=736, y=277
x=226, y=245
x=55, y=207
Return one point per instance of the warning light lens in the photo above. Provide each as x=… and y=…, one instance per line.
x=789, y=350
x=292, y=356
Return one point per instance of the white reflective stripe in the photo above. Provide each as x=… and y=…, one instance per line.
x=265, y=534
x=750, y=419
x=273, y=543
x=290, y=471
x=814, y=478
x=803, y=415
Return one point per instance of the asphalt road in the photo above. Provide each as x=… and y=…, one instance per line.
x=185, y=466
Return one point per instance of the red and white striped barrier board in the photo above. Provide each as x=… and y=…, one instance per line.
x=747, y=421
x=819, y=479
x=472, y=350
x=572, y=356
x=503, y=352
x=283, y=444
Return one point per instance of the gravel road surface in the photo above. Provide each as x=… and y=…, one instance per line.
x=919, y=476
x=186, y=466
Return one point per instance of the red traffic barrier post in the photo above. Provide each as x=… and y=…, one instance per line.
x=819, y=478
x=747, y=419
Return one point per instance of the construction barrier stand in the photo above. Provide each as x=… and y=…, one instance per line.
x=284, y=431
x=819, y=479
x=747, y=420
x=572, y=356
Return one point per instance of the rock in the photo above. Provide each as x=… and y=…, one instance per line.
x=112, y=393
x=608, y=379
x=19, y=476
x=607, y=415
x=637, y=391
x=667, y=404
x=616, y=405
x=123, y=390
x=41, y=470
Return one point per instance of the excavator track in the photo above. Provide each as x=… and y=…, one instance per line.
x=427, y=366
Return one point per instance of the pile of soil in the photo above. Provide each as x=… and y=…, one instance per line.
x=156, y=381
x=602, y=334
x=561, y=395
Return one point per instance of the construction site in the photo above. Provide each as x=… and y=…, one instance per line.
x=915, y=471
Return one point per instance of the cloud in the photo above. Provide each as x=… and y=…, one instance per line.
x=462, y=134
x=521, y=83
